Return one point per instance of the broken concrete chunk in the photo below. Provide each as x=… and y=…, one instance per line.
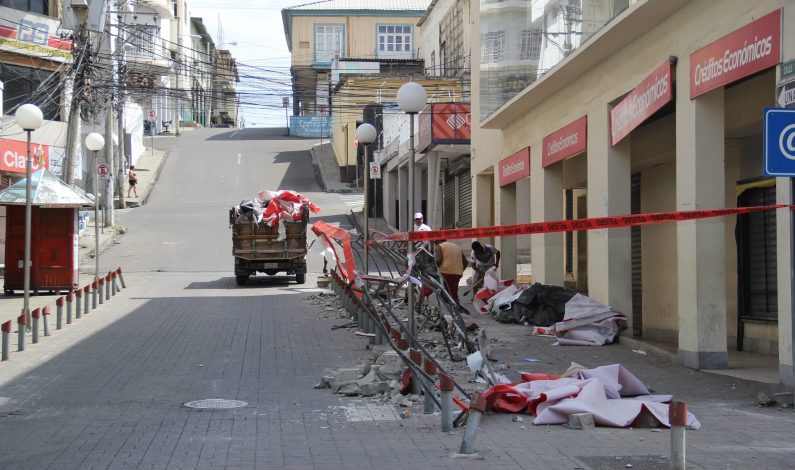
x=345, y=375
x=581, y=421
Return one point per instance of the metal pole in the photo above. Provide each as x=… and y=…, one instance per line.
x=96, y=219
x=178, y=70
x=792, y=279
x=28, y=216
x=677, y=418
x=447, y=386
x=107, y=211
x=120, y=116
x=366, y=208
x=410, y=228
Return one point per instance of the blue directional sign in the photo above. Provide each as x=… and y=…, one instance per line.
x=779, y=155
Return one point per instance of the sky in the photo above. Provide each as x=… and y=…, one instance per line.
x=261, y=52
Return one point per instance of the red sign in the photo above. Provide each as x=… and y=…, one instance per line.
x=754, y=47
x=14, y=154
x=654, y=92
x=515, y=167
x=452, y=122
x=565, y=142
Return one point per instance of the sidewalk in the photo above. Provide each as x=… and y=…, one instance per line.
x=327, y=170
x=148, y=168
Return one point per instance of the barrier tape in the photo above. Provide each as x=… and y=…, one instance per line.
x=575, y=225
x=342, y=236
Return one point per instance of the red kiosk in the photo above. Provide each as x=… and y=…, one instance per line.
x=54, y=245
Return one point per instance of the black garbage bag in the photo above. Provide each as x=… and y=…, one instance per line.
x=538, y=305
x=251, y=210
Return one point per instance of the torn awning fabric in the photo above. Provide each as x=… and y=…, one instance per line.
x=614, y=397
x=271, y=207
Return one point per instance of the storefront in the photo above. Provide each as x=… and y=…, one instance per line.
x=657, y=113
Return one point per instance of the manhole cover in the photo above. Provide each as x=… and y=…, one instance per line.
x=635, y=462
x=215, y=404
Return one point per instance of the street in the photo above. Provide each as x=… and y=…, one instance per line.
x=110, y=391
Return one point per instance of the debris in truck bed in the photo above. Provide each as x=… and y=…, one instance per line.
x=271, y=207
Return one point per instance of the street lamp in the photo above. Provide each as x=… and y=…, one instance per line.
x=411, y=98
x=366, y=135
x=29, y=118
x=94, y=142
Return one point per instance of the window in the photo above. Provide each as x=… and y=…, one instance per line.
x=433, y=62
x=329, y=42
x=443, y=59
x=492, y=46
x=143, y=39
x=530, y=44
x=35, y=6
x=395, y=40
x=27, y=85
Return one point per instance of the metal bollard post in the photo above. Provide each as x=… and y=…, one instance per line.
x=86, y=291
x=78, y=306
x=447, y=386
x=402, y=344
x=59, y=313
x=22, y=320
x=115, y=284
x=36, y=314
x=101, y=285
x=121, y=278
x=416, y=357
x=45, y=317
x=107, y=287
x=430, y=368
x=477, y=406
x=69, y=299
x=94, y=294
x=677, y=416
x=6, y=334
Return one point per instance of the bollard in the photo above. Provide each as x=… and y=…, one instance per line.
x=22, y=320
x=402, y=344
x=86, y=291
x=115, y=285
x=101, y=286
x=6, y=334
x=121, y=278
x=430, y=368
x=59, y=313
x=94, y=294
x=78, y=306
x=395, y=336
x=677, y=416
x=45, y=317
x=36, y=315
x=69, y=299
x=447, y=386
x=107, y=287
x=416, y=357
x=477, y=406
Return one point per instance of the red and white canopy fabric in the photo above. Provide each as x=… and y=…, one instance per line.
x=284, y=204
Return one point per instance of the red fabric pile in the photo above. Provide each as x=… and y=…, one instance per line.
x=284, y=204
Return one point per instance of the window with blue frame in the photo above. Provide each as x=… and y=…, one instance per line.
x=395, y=40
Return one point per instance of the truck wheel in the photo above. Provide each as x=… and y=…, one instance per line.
x=241, y=279
x=300, y=278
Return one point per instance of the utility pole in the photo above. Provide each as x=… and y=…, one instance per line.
x=120, y=83
x=107, y=206
x=73, y=129
x=178, y=69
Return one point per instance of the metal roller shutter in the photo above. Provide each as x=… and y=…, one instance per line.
x=637, y=260
x=464, y=200
x=449, y=202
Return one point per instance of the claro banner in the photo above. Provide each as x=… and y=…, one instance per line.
x=748, y=50
x=13, y=156
x=654, y=92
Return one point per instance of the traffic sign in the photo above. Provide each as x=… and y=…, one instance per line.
x=151, y=114
x=785, y=94
x=285, y=102
x=103, y=170
x=779, y=140
x=375, y=171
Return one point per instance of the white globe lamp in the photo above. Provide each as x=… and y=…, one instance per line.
x=366, y=133
x=95, y=141
x=411, y=97
x=29, y=117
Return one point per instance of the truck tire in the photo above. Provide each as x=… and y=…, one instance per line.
x=300, y=278
x=241, y=279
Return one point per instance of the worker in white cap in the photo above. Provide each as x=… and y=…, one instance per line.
x=418, y=225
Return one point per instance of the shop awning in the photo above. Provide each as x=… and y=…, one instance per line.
x=46, y=191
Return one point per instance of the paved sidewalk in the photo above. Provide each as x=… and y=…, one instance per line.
x=327, y=170
x=148, y=168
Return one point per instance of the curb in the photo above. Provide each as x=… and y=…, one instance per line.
x=163, y=161
x=321, y=181
x=652, y=350
x=103, y=245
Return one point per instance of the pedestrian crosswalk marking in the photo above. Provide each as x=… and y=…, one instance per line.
x=354, y=201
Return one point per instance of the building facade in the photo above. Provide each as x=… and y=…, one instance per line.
x=601, y=108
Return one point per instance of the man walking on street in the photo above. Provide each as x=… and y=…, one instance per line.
x=451, y=262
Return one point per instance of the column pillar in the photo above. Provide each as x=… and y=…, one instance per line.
x=434, y=215
x=547, y=205
x=506, y=204
x=609, y=192
x=701, y=246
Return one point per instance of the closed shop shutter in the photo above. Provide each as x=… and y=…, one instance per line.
x=757, y=263
x=637, y=261
x=464, y=200
x=449, y=202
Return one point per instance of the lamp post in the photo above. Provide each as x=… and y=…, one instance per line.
x=94, y=142
x=366, y=134
x=411, y=98
x=29, y=118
